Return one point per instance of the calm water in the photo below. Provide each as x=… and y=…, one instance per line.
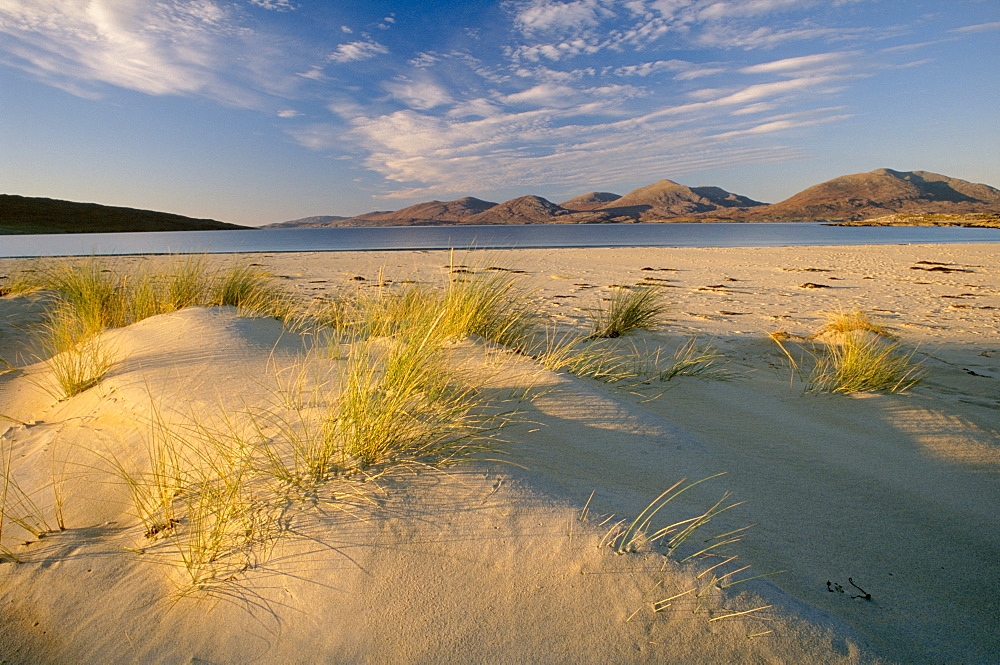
x=483, y=237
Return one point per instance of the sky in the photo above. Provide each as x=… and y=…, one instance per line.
x=260, y=111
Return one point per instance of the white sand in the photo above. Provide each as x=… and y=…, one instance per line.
x=487, y=561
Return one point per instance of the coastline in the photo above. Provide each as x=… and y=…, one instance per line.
x=895, y=492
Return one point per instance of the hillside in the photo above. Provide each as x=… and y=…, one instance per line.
x=667, y=199
x=590, y=201
x=23, y=214
x=530, y=210
x=881, y=192
x=314, y=221
x=431, y=212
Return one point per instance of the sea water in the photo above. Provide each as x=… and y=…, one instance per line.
x=484, y=237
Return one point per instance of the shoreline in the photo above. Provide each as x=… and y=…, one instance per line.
x=894, y=492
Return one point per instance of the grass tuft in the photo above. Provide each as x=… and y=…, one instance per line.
x=488, y=304
x=77, y=356
x=585, y=356
x=697, y=359
x=251, y=290
x=628, y=310
x=402, y=401
x=863, y=362
x=843, y=322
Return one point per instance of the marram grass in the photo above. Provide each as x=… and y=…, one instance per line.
x=628, y=310
x=694, y=358
x=585, y=356
x=848, y=321
x=864, y=362
x=77, y=356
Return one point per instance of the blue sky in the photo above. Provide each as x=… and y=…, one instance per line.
x=256, y=111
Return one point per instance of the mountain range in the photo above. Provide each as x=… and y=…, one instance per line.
x=860, y=196
x=847, y=198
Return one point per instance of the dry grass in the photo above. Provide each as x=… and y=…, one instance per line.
x=76, y=354
x=856, y=355
x=17, y=508
x=694, y=358
x=585, y=356
x=847, y=321
x=628, y=310
x=863, y=362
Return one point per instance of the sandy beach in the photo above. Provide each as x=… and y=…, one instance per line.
x=864, y=527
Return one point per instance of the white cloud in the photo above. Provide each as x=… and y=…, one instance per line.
x=729, y=36
x=750, y=109
x=979, y=27
x=558, y=16
x=288, y=113
x=318, y=137
x=276, y=5
x=354, y=51
x=421, y=94
x=481, y=108
x=699, y=72
x=558, y=30
x=824, y=61
x=782, y=124
x=424, y=60
x=553, y=96
x=197, y=47
x=742, y=8
x=682, y=70
x=654, y=67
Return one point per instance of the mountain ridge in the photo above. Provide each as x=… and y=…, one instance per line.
x=851, y=197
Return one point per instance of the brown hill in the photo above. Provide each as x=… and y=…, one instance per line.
x=522, y=210
x=589, y=201
x=881, y=192
x=458, y=211
x=24, y=214
x=306, y=222
x=667, y=199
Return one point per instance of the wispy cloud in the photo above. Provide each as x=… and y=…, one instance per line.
x=359, y=50
x=276, y=5
x=979, y=27
x=186, y=48
x=555, y=30
x=813, y=63
x=547, y=16
x=421, y=93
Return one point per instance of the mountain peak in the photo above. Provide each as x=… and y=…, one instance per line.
x=665, y=199
x=589, y=201
x=884, y=191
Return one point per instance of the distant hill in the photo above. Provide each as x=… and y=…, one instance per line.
x=667, y=199
x=881, y=192
x=589, y=201
x=431, y=212
x=318, y=220
x=23, y=214
x=664, y=199
x=528, y=210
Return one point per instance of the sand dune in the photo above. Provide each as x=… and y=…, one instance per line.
x=489, y=560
